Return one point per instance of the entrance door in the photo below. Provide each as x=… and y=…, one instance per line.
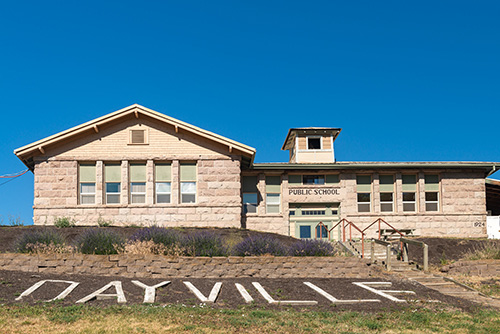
x=305, y=218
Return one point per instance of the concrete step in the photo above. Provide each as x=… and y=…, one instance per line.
x=429, y=284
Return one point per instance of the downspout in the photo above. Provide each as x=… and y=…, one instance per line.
x=492, y=171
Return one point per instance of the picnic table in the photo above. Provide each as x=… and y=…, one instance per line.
x=389, y=233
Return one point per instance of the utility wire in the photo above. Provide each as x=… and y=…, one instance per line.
x=12, y=177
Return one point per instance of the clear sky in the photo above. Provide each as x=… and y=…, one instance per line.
x=407, y=81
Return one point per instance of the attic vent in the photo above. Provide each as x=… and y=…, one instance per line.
x=138, y=137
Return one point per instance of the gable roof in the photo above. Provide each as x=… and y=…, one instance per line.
x=27, y=151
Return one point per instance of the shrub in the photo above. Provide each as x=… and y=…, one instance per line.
x=98, y=241
x=159, y=235
x=204, y=243
x=62, y=222
x=103, y=223
x=150, y=247
x=265, y=245
x=26, y=242
x=39, y=248
x=308, y=247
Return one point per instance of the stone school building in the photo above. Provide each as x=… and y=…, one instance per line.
x=138, y=166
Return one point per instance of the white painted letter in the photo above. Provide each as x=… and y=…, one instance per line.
x=62, y=295
x=150, y=291
x=383, y=293
x=244, y=293
x=100, y=295
x=270, y=299
x=213, y=294
x=335, y=300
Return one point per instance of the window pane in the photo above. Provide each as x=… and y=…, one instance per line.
x=409, y=179
x=431, y=197
x=250, y=198
x=408, y=206
x=364, y=207
x=188, y=198
x=386, y=207
x=305, y=231
x=87, y=188
x=273, y=198
x=273, y=209
x=409, y=197
x=112, y=199
x=363, y=197
x=313, y=179
x=250, y=208
x=431, y=207
x=87, y=199
x=138, y=187
x=135, y=198
x=112, y=187
x=188, y=187
x=321, y=232
x=314, y=143
x=163, y=198
x=163, y=187
x=386, y=197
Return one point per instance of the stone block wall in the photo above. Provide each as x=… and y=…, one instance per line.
x=157, y=266
x=483, y=268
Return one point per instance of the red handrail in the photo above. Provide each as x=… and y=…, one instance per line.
x=379, y=221
x=345, y=222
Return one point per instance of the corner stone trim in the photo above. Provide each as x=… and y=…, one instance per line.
x=158, y=266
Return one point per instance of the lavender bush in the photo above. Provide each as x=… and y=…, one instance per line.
x=311, y=247
x=159, y=235
x=26, y=241
x=99, y=241
x=204, y=243
x=265, y=245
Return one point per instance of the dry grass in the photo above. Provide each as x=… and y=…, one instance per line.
x=150, y=247
x=489, y=250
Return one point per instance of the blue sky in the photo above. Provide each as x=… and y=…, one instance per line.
x=407, y=81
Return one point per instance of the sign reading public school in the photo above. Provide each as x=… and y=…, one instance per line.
x=335, y=191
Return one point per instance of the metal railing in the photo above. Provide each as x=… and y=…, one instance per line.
x=404, y=250
x=343, y=223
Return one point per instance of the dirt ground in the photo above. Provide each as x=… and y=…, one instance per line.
x=444, y=250
x=9, y=234
x=13, y=283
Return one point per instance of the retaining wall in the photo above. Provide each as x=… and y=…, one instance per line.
x=158, y=266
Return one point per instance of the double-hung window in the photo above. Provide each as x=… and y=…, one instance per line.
x=137, y=183
x=86, y=187
x=112, y=179
x=313, y=179
x=364, y=191
x=163, y=182
x=409, y=193
x=386, y=185
x=250, y=194
x=273, y=194
x=188, y=182
x=431, y=192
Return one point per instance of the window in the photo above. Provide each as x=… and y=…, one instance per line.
x=112, y=179
x=137, y=137
x=364, y=189
x=313, y=179
x=431, y=192
x=313, y=212
x=273, y=194
x=321, y=231
x=250, y=194
x=386, y=185
x=188, y=182
x=314, y=143
x=163, y=183
x=409, y=193
x=86, y=174
x=137, y=183
x=305, y=231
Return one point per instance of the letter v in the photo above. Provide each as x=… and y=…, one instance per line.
x=213, y=294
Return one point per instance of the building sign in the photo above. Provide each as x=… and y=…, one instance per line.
x=316, y=192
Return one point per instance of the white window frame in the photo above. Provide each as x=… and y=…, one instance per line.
x=278, y=205
x=432, y=202
x=188, y=193
x=159, y=193
x=364, y=203
x=87, y=195
x=414, y=202
x=113, y=193
x=387, y=202
x=246, y=204
x=137, y=193
x=314, y=137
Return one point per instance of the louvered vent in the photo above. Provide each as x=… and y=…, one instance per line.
x=137, y=137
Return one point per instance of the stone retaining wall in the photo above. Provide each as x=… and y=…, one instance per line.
x=484, y=268
x=157, y=266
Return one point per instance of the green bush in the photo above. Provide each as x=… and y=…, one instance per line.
x=28, y=241
x=62, y=222
x=99, y=241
